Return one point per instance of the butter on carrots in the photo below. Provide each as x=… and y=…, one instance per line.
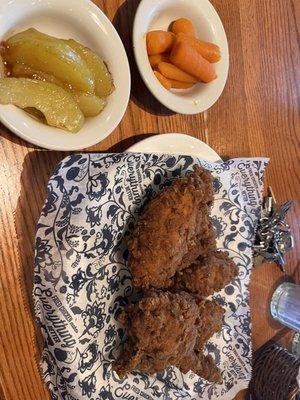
x=185, y=57
x=170, y=71
x=159, y=42
x=210, y=51
x=183, y=25
x=164, y=81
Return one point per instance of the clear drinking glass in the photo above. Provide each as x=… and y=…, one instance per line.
x=285, y=305
x=296, y=344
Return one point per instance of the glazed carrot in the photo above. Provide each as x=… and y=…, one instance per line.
x=183, y=25
x=164, y=81
x=159, y=42
x=158, y=58
x=210, y=51
x=170, y=71
x=186, y=57
x=180, y=85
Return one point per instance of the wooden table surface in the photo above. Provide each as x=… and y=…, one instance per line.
x=257, y=115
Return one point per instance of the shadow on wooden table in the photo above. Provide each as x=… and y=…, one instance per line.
x=140, y=95
x=262, y=288
x=124, y=144
x=37, y=168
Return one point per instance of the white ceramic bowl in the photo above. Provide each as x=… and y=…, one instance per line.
x=82, y=21
x=175, y=143
x=158, y=14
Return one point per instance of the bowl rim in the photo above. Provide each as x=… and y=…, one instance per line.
x=200, y=148
x=167, y=98
x=11, y=116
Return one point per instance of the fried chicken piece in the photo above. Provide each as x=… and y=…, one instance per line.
x=208, y=274
x=162, y=330
x=210, y=322
x=173, y=231
x=201, y=365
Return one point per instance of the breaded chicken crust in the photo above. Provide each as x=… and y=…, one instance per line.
x=166, y=329
x=208, y=274
x=173, y=231
x=173, y=249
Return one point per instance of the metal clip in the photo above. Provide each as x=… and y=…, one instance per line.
x=273, y=236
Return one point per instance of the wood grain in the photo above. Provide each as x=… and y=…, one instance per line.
x=257, y=115
x=2, y=396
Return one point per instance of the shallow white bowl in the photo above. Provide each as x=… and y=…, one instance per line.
x=158, y=14
x=175, y=143
x=82, y=21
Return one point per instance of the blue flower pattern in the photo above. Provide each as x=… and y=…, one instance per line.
x=82, y=280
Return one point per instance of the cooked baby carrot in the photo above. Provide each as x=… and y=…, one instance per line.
x=159, y=42
x=180, y=85
x=210, y=51
x=183, y=25
x=164, y=81
x=170, y=71
x=186, y=57
x=158, y=58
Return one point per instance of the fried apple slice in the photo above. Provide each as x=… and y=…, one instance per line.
x=50, y=55
x=24, y=71
x=103, y=79
x=3, y=69
x=90, y=104
x=36, y=114
x=57, y=105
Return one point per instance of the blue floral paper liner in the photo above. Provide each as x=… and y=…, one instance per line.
x=82, y=279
